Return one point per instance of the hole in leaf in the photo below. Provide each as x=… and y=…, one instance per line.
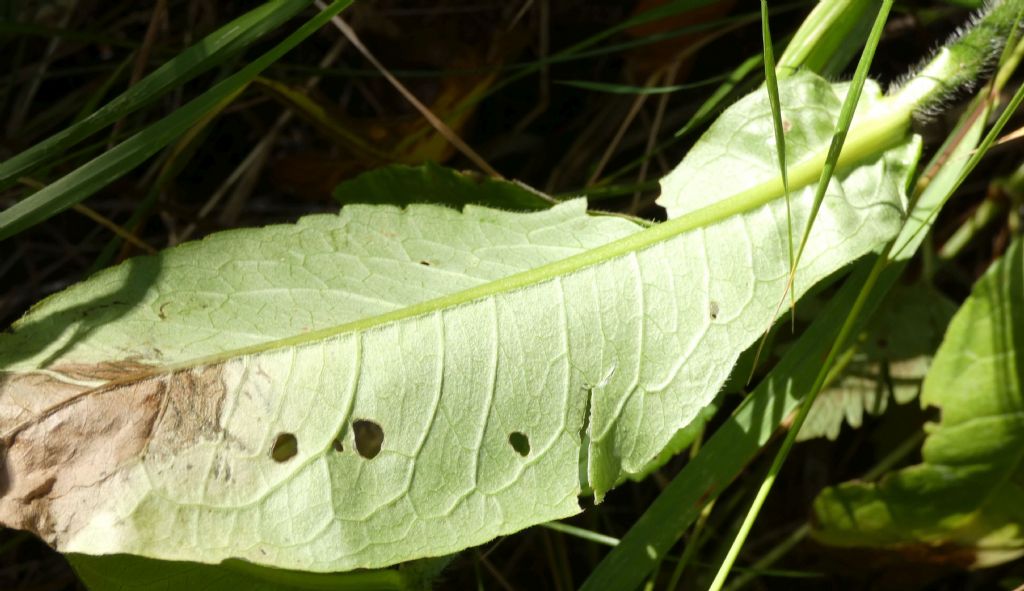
x=369, y=438
x=285, y=448
x=425, y=263
x=713, y=310
x=520, y=442
x=338, y=445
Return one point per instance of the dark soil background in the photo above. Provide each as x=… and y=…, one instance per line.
x=58, y=55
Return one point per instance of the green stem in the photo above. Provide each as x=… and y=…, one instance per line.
x=821, y=35
x=968, y=231
x=782, y=548
x=584, y=534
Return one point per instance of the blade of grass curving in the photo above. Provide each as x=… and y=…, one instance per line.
x=836, y=147
x=109, y=166
x=846, y=113
x=843, y=125
x=611, y=88
x=735, y=443
x=772, y=84
x=210, y=51
x=847, y=331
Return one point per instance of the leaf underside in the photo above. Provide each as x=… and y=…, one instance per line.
x=262, y=394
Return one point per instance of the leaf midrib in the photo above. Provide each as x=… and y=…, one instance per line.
x=886, y=128
x=867, y=139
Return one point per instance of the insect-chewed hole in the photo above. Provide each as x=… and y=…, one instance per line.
x=519, y=442
x=285, y=447
x=713, y=310
x=369, y=438
x=338, y=444
x=425, y=263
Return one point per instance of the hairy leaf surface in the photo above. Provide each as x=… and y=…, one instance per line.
x=361, y=389
x=962, y=505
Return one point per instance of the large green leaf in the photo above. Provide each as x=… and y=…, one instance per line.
x=962, y=505
x=386, y=384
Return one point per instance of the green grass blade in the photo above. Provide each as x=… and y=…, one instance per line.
x=712, y=105
x=724, y=456
x=772, y=84
x=854, y=318
x=728, y=452
x=109, y=166
x=212, y=50
x=845, y=119
x=611, y=88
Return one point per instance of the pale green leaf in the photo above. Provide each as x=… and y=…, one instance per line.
x=961, y=505
x=739, y=151
x=741, y=437
x=227, y=398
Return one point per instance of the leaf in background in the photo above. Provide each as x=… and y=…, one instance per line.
x=888, y=366
x=368, y=388
x=122, y=572
x=962, y=505
x=429, y=183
